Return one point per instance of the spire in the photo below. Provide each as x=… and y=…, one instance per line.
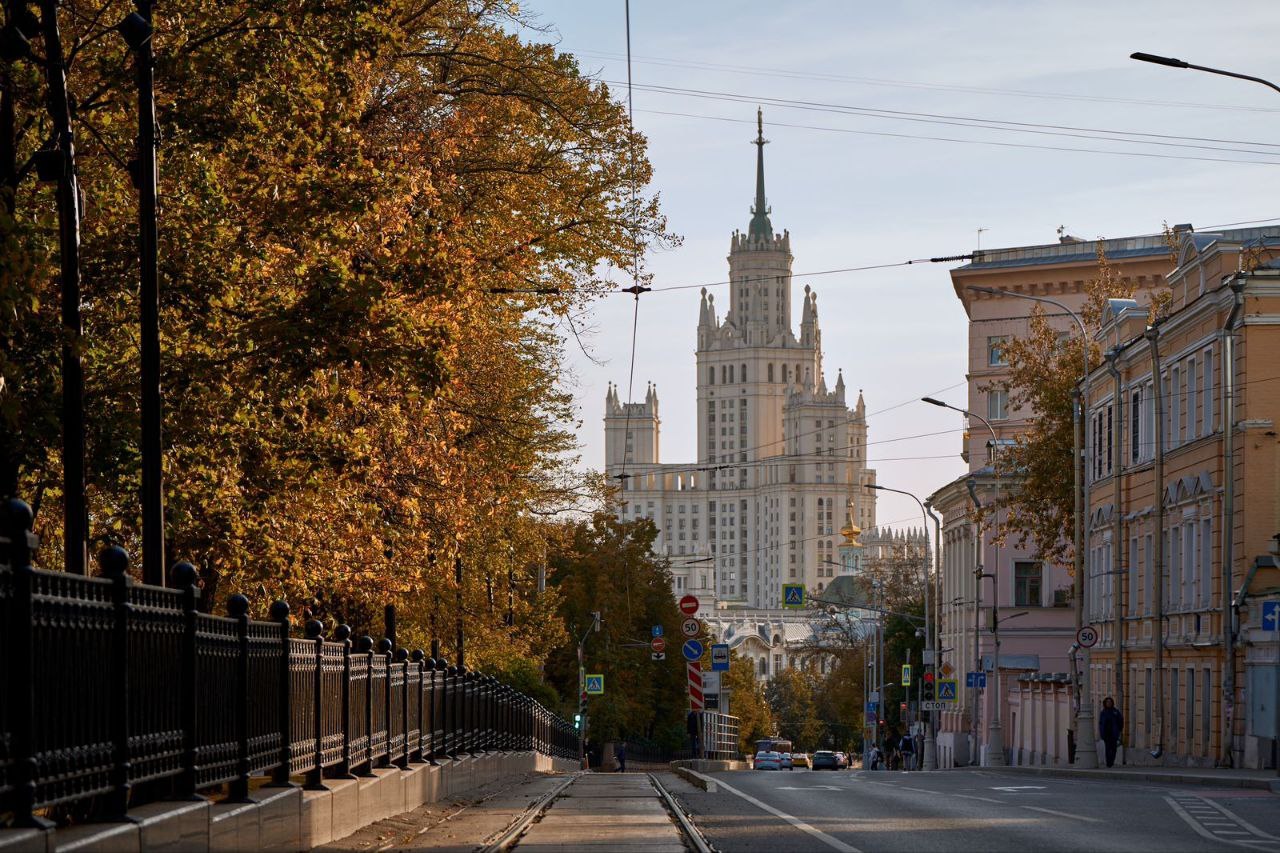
x=704, y=315
x=761, y=227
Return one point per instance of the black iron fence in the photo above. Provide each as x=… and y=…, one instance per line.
x=113, y=692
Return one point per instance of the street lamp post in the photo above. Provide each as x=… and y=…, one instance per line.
x=930, y=761
x=1086, y=747
x=995, y=729
x=1178, y=63
x=137, y=32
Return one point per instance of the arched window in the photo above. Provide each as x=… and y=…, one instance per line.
x=731, y=374
x=786, y=373
x=711, y=375
x=744, y=373
x=770, y=371
x=724, y=375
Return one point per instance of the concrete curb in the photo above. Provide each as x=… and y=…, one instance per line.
x=696, y=779
x=1154, y=775
x=710, y=765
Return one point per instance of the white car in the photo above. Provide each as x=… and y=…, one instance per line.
x=768, y=760
x=785, y=763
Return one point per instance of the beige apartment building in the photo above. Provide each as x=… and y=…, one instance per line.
x=1178, y=519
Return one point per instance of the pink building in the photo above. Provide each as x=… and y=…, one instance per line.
x=1032, y=599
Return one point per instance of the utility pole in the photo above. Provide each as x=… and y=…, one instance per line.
x=582, y=689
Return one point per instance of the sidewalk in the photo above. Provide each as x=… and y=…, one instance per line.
x=1221, y=777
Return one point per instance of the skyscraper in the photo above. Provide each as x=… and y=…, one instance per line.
x=781, y=457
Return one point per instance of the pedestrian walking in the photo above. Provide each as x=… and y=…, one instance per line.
x=1110, y=728
x=874, y=756
x=621, y=753
x=907, y=747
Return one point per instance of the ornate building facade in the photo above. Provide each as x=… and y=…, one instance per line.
x=780, y=453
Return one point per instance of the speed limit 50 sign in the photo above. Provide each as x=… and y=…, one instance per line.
x=1087, y=636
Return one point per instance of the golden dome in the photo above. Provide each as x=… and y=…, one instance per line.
x=851, y=532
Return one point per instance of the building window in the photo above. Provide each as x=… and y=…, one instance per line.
x=1137, y=421
x=995, y=350
x=1027, y=579
x=771, y=371
x=711, y=376
x=997, y=404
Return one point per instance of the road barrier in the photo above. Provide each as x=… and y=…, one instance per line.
x=115, y=693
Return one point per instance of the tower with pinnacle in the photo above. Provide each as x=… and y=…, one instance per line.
x=780, y=452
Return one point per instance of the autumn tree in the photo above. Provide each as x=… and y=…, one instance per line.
x=1045, y=367
x=376, y=221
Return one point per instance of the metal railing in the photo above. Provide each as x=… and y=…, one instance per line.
x=113, y=693
x=719, y=736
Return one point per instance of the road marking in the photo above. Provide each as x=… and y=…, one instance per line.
x=1013, y=789
x=1261, y=840
x=830, y=841
x=983, y=799
x=1062, y=814
x=811, y=788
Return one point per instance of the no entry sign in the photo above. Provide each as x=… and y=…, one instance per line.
x=658, y=644
x=689, y=605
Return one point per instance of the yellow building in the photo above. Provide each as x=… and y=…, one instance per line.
x=1202, y=691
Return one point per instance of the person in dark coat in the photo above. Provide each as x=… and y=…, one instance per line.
x=1110, y=728
x=621, y=753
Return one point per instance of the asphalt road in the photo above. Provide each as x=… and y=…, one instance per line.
x=980, y=810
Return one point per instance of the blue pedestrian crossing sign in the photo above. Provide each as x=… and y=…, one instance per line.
x=977, y=680
x=793, y=595
x=595, y=684
x=657, y=630
x=692, y=650
x=1271, y=615
x=946, y=690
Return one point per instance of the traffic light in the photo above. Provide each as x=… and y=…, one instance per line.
x=577, y=721
x=928, y=687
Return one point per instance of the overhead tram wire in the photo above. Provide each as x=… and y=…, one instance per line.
x=993, y=142
x=976, y=122
x=938, y=260
x=910, y=84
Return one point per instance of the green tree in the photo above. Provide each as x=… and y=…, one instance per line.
x=748, y=703
x=606, y=565
x=791, y=695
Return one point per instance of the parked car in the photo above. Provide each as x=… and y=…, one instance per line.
x=825, y=759
x=800, y=759
x=767, y=760
x=842, y=760
x=786, y=763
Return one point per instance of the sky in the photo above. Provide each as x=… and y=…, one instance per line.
x=865, y=190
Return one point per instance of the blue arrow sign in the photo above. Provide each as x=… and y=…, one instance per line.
x=692, y=650
x=975, y=679
x=657, y=630
x=1271, y=615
